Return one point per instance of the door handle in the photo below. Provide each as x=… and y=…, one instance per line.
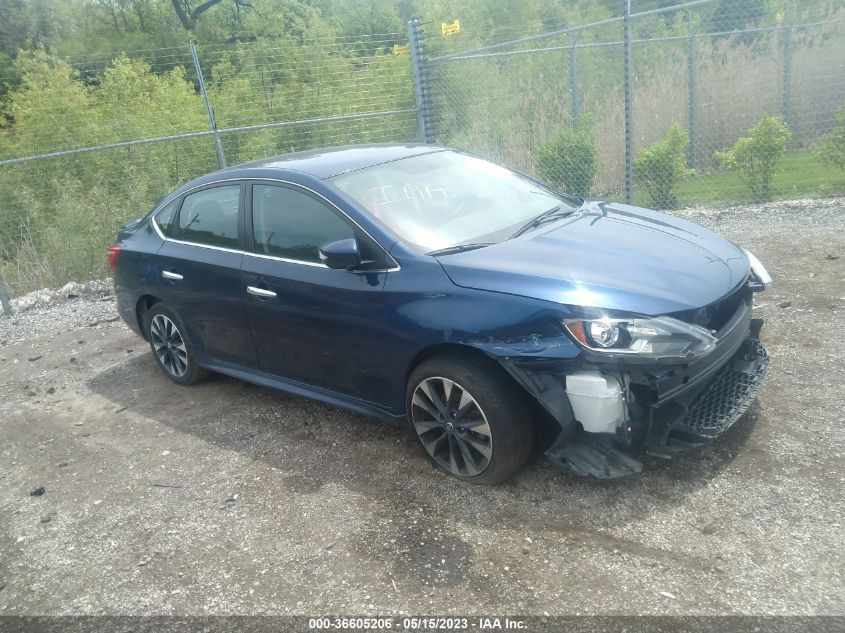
x=260, y=292
x=169, y=275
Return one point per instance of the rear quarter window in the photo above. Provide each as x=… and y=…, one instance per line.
x=164, y=218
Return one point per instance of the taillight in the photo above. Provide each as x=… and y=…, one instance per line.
x=113, y=254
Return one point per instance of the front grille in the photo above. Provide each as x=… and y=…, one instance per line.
x=727, y=397
x=717, y=314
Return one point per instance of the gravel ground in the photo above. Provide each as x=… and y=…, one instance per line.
x=225, y=498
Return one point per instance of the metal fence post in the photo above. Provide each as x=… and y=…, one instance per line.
x=629, y=109
x=218, y=146
x=692, y=158
x=787, y=64
x=573, y=83
x=419, y=74
x=4, y=298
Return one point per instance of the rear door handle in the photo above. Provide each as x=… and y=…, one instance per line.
x=169, y=275
x=260, y=292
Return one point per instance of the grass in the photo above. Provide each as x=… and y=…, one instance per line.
x=800, y=175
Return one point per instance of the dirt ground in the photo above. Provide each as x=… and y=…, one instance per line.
x=226, y=498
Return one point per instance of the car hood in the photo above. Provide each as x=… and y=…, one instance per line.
x=610, y=256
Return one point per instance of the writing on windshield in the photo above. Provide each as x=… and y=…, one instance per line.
x=447, y=198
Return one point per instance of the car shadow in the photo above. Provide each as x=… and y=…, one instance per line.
x=315, y=445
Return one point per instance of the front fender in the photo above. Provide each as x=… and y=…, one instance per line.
x=522, y=334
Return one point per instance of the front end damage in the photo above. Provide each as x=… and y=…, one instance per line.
x=614, y=411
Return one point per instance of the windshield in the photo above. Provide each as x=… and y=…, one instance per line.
x=445, y=199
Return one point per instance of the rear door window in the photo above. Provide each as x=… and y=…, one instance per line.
x=210, y=217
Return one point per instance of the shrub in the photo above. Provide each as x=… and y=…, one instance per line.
x=833, y=145
x=659, y=168
x=755, y=156
x=569, y=161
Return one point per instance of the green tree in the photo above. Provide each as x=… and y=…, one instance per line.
x=833, y=144
x=754, y=157
x=569, y=161
x=660, y=167
x=59, y=214
x=735, y=15
x=188, y=14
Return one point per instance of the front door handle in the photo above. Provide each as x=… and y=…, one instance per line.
x=169, y=275
x=260, y=292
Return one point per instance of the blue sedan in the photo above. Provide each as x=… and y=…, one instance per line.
x=425, y=286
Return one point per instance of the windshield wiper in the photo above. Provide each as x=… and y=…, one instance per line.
x=546, y=216
x=459, y=248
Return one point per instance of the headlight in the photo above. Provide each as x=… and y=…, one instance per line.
x=758, y=269
x=648, y=338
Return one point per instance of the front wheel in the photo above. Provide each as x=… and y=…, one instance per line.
x=169, y=346
x=470, y=418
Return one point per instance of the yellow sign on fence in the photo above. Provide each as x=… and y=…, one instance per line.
x=401, y=50
x=450, y=29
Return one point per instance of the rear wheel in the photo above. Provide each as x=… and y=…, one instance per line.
x=470, y=418
x=169, y=347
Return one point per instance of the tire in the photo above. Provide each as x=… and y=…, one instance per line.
x=485, y=433
x=164, y=331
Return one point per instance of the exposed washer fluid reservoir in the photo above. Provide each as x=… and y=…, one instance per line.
x=597, y=401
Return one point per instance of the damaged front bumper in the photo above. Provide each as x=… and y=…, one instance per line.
x=677, y=425
x=670, y=410
x=673, y=428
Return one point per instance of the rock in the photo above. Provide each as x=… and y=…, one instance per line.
x=831, y=258
x=112, y=319
x=666, y=594
x=71, y=290
x=46, y=518
x=51, y=390
x=710, y=528
x=37, y=492
x=785, y=304
x=32, y=359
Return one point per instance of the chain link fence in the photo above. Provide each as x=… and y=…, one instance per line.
x=702, y=103
x=696, y=104
x=94, y=143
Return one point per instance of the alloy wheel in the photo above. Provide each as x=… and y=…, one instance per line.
x=451, y=426
x=169, y=345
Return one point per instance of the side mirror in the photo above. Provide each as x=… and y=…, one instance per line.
x=342, y=254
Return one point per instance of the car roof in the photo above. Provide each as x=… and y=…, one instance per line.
x=331, y=161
